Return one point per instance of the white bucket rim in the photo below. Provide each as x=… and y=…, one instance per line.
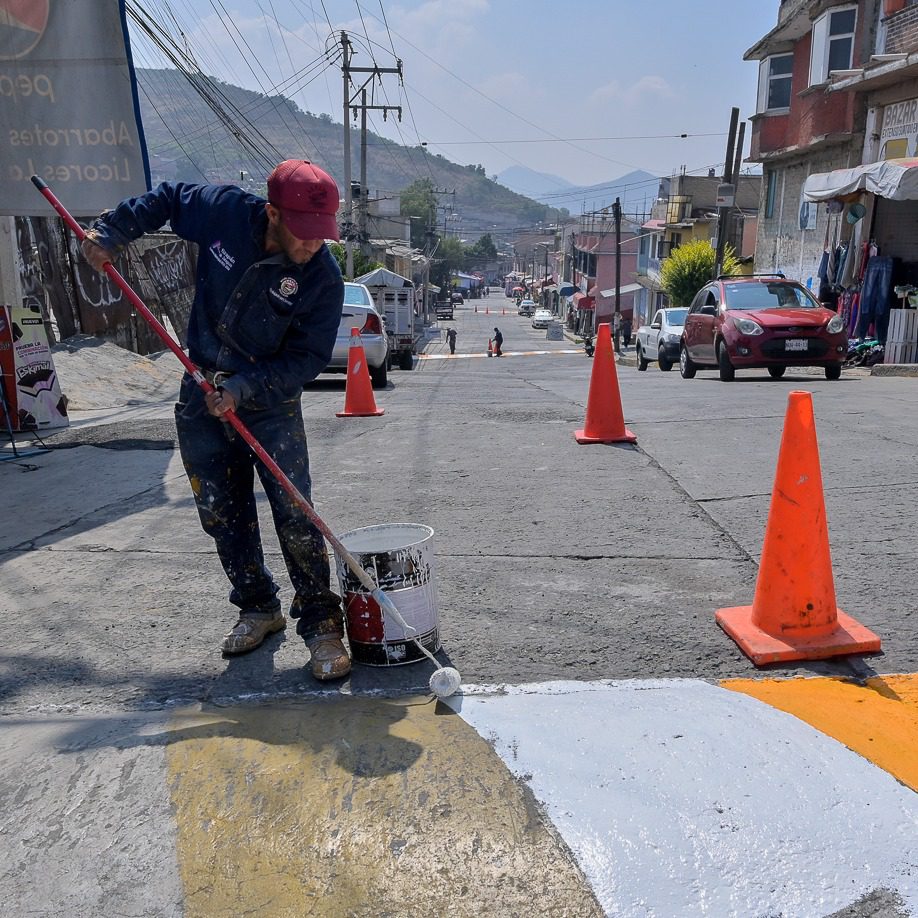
x=366, y=538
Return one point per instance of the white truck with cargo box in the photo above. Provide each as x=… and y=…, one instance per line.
x=394, y=297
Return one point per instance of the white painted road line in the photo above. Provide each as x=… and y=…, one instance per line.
x=505, y=354
x=681, y=798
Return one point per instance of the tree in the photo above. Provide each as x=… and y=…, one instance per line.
x=690, y=267
x=362, y=264
x=451, y=256
x=419, y=200
x=483, y=251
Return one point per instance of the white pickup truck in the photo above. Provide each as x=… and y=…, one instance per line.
x=660, y=340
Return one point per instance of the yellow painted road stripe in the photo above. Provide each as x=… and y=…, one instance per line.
x=358, y=807
x=879, y=720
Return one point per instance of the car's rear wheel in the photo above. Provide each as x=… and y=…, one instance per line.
x=834, y=372
x=776, y=372
x=641, y=359
x=379, y=375
x=686, y=367
x=727, y=370
x=664, y=364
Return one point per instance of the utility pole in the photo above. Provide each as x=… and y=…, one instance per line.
x=348, y=201
x=373, y=73
x=364, y=191
x=737, y=163
x=722, y=212
x=617, y=322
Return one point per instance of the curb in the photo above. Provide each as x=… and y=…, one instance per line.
x=623, y=359
x=895, y=369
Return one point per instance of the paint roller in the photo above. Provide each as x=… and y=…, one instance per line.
x=445, y=680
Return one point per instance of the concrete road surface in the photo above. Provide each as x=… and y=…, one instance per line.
x=612, y=750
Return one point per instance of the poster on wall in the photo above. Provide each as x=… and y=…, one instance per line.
x=32, y=393
x=68, y=106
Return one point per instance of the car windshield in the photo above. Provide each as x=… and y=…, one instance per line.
x=770, y=295
x=356, y=295
x=676, y=316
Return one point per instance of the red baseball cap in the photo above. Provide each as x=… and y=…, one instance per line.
x=307, y=198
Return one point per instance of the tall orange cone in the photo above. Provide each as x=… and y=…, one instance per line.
x=490, y=350
x=358, y=392
x=604, y=422
x=487, y=310
x=793, y=615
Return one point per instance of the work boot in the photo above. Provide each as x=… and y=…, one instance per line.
x=328, y=657
x=251, y=630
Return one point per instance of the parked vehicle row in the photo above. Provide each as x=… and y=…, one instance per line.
x=526, y=308
x=360, y=313
x=660, y=340
x=746, y=322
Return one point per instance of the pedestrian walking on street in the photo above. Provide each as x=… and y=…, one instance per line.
x=451, y=339
x=263, y=322
x=498, y=341
x=626, y=330
x=617, y=330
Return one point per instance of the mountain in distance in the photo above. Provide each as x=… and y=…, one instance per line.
x=187, y=142
x=531, y=183
x=637, y=190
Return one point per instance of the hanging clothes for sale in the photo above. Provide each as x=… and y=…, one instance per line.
x=876, y=293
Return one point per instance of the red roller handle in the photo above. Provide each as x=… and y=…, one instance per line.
x=198, y=376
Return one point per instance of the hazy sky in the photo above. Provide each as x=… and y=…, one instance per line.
x=481, y=74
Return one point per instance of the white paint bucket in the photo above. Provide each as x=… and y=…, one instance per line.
x=400, y=558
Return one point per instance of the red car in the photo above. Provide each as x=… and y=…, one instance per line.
x=771, y=322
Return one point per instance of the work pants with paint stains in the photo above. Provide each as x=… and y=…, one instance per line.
x=221, y=469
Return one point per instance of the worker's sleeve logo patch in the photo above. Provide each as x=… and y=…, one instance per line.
x=223, y=257
x=288, y=286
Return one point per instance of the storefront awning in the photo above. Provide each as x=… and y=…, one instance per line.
x=566, y=288
x=895, y=179
x=628, y=288
x=582, y=301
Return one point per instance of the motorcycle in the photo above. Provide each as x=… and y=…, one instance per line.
x=863, y=352
x=588, y=345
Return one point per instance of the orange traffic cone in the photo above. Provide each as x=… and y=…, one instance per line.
x=487, y=310
x=604, y=422
x=476, y=307
x=358, y=392
x=793, y=615
x=503, y=312
x=490, y=351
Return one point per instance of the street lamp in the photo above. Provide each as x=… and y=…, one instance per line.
x=545, y=246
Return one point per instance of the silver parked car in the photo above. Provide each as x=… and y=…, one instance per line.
x=360, y=313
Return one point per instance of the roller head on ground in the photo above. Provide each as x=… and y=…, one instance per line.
x=445, y=681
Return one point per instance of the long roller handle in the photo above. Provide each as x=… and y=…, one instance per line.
x=365, y=579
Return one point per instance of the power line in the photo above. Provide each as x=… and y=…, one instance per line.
x=454, y=143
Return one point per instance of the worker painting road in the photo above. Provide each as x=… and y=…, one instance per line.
x=611, y=752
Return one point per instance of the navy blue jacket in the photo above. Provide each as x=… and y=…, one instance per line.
x=269, y=322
